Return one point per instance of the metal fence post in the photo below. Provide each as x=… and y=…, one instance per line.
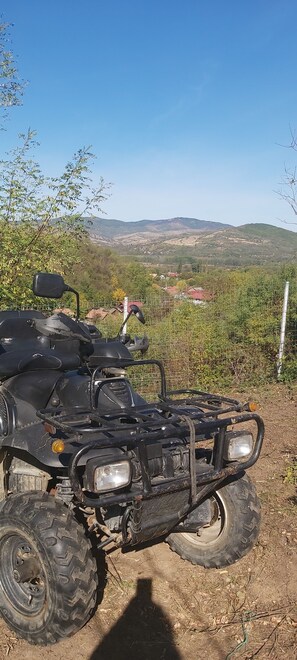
x=283, y=331
x=125, y=314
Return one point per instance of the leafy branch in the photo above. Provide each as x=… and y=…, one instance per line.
x=41, y=215
x=11, y=87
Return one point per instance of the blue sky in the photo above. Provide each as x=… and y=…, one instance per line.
x=185, y=104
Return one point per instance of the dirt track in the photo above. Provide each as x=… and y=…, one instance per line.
x=155, y=606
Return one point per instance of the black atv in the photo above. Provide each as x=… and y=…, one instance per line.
x=86, y=462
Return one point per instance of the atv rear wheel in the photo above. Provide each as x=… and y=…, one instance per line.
x=48, y=577
x=232, y=532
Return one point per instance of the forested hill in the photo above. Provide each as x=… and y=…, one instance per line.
x=112, y=230
x=104, y=277
x=235, y=246
x=179, y=239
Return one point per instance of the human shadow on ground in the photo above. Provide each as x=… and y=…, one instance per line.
x=143, y=631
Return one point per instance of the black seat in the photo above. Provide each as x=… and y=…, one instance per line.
x=22, y=348
x=17, y=361
x=21, y=314
x=16, y=333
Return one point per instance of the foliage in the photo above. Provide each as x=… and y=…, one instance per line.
x=11, y=87
x=118, y=295
x=291, y=474
x=104, y=277
x=41, y=218
x=230, y=342
x=137, y=280
x=181, y=286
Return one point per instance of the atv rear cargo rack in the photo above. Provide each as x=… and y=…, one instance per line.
x=193, y=417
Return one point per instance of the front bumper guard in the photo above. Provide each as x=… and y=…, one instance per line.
x=199, y=414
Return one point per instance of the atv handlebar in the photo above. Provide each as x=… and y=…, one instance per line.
x=138, y=344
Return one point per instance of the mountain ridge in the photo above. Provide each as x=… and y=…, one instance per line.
x=182, y=239
x=110, y=228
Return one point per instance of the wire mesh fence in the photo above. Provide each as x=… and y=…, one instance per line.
x=227, y=337
x=230, y=341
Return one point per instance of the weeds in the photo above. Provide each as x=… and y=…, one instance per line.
x=290, y=476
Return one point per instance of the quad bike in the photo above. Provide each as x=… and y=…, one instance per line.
x=87, y=463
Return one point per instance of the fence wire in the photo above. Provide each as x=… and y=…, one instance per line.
x=229, y=341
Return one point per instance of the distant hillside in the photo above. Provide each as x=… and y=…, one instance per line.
x=235, y=246
x=109, y=230
x=180, y=239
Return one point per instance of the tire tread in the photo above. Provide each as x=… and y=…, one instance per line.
x=69, y=551
x=243, y=533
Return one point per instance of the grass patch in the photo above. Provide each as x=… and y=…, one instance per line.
x=290, y=476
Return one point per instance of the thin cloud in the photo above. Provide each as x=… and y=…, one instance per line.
x=190, y=99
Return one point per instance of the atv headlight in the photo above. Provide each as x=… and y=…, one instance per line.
x=238, y=444
x=112, y=476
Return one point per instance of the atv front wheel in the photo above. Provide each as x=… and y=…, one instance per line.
x=233, y=529
x=48, y=577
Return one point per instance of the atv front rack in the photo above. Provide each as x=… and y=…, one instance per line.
x=191, y=415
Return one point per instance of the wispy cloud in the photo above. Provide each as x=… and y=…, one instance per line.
x=192, y=96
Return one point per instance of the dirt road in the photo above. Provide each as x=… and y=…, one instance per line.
x=155, y=606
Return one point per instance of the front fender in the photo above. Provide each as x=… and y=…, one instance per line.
x=35, y=443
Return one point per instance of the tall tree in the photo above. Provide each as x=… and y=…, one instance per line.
x=41, y=217
x=11, y=86
x=288, y=190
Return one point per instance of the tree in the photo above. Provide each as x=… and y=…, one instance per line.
x=136, y=280
x=41, y=218
x=182, y=286
x=288, y=190
x=11, y=87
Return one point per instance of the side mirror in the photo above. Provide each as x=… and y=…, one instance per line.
x=138, y=313
x=49, y=285
x=134, y=309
